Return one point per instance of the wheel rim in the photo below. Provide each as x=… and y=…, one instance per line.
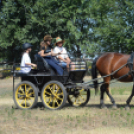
x=78, y=99
x=25, y=96
x=53, y=96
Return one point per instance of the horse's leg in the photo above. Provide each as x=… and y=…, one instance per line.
x=111, y=98
x=103, y=89
x=130, y=98
x=107, y=80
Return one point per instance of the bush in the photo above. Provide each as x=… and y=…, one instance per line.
x=89, y=66
x=5, y=73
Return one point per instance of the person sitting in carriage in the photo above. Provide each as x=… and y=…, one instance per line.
x=26, y=64
x=63, y=58
x=47, y=53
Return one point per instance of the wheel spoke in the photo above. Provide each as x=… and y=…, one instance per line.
x=22, y=102
x=57, y=102
x=20, y=97
x=47, y=93
x=53, y=102
x=82, y=97
x=29, y=102
x=81, y=90
x=30, y=94
x=31, y=98
x=49, y=100
x=59, y=93
x=21, y=94
x=21, y=90
x=50, y=89
x=75, y=101
x=59, y=98
x=25, y=102
x=79, y=100
x=28, y=89
x=57, y=90
x=53, y=89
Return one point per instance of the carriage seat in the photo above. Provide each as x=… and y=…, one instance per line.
x=41, y=63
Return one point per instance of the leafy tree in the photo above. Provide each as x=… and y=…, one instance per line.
x=114, y=25
x=28, y=21
x=88, y=27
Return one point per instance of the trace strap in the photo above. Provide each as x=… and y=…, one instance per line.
x=106, y=75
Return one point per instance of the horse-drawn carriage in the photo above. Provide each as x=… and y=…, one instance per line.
x=54, y=90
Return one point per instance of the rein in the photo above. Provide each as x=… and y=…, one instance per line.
x=107, y=75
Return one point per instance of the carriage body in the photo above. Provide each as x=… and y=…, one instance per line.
x=53, y=89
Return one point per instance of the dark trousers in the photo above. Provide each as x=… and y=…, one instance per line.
x=54, y=64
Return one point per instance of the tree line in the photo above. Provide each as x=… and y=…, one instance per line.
x=88, y=26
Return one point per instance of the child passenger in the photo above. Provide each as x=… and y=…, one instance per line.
x=25, y=60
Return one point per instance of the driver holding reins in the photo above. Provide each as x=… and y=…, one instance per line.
x=63, y=57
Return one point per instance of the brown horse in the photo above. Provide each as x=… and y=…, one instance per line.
x=106, y=64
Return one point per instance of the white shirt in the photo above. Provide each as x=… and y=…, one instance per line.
x=59, y=49
x=25, y=59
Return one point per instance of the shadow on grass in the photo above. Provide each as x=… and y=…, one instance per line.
x=97, y=106
x=109, y=106
x=40, y=105
x=67, y=105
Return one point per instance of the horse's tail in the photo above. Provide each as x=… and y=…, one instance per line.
x=94, y=74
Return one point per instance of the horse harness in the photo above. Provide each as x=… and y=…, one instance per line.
x=130, y=65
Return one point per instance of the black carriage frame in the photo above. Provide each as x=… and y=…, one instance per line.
x=45, y=73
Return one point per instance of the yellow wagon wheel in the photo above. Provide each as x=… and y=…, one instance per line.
x=53, y=95
x=25, y=95
x=79, y=97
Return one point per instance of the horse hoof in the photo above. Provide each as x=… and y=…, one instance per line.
x=114, y=107
x=127, y=108
x=103, y=107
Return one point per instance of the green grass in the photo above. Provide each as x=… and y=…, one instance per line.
x=44, y=119
x=88, y=119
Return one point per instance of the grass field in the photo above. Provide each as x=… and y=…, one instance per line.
x=69, y=120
